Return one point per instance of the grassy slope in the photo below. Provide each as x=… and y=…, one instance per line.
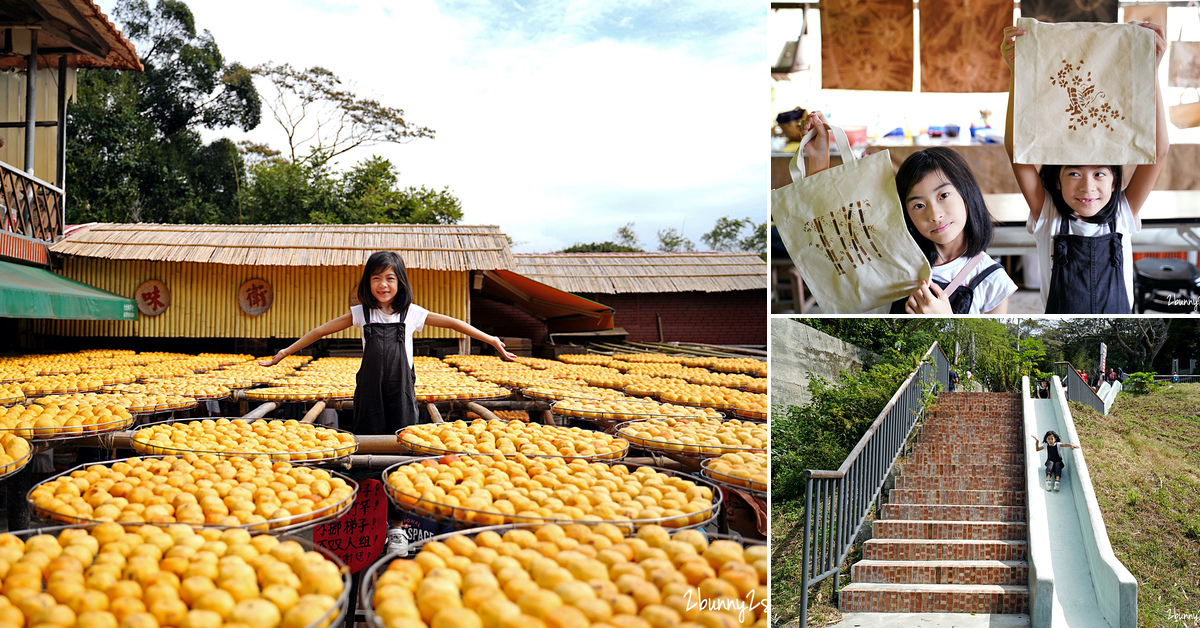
x=1144, y=459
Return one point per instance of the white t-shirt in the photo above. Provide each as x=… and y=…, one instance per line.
x=995, y=288
x=413, y=322
x=1047, y=225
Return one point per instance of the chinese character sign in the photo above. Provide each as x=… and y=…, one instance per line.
x=153, y=297
x=1103, y=358
x=358, y=536
x=255, y=296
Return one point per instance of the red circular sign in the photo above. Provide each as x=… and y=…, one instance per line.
x=255, y=296
x=153, y=297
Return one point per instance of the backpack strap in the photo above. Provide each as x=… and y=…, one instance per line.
x=983, y=274
x=962, y=274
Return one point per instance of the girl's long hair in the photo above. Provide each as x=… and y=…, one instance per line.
x=1049, y=175
x=377, y=263
x=920, y=164
x=1056, y=437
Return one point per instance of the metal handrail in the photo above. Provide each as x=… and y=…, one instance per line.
x=1076, y=387
x=836, y=503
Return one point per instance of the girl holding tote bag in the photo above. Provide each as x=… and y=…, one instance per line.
x=1079, y=215
x=945, y=214
x=843, y=229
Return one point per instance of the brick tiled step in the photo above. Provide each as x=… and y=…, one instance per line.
x=942, y=448
x=965, y=530
x=967, y=436
x=961, y=482
x=934, y=598
x=998, y=421
x=944, y=512
x=970, y=498
x=942, y=571
x=927, y=549
x=975, y=470
x=1006, y=426
x=1011, y=458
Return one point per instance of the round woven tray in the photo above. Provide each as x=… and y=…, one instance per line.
x=467, y=518
x=276, y=526
x=318, y=456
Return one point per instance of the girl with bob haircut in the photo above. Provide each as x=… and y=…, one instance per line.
x=945, y=213
x=1081, y=218
x=384, y=396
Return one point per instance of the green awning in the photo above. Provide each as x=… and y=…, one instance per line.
x=27, y=292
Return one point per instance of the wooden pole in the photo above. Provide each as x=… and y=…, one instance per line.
x=313, y=412
x=481, y=411
x=260, y=411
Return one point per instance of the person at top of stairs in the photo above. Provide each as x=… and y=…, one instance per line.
x=1054, y=462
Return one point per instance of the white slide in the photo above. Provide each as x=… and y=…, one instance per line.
x=1091, y=588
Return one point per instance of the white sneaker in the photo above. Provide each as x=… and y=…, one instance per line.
x=1047, y=485
x=1056, y=486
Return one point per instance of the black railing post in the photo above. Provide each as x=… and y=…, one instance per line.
x=804, y=564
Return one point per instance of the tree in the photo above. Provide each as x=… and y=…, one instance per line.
x=599, y=247
x=671, y=241
x=134, y=148
x=316, y=112
x=283, y=192
x=737, y=234
x=626, y=236
x=286, y=192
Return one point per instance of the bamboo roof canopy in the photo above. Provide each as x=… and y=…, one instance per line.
x=76, y=28
x=618, y=273
x=430, y=247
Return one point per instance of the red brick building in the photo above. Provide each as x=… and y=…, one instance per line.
x=709, y=297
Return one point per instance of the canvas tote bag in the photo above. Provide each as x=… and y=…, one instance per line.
x=845, y=231
x=1084, y=92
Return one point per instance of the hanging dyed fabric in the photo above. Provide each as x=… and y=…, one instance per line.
x=867, y=44
x=1084, y=93
x=1058, y=11
x=957, y=48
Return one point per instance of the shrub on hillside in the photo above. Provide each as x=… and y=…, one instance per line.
x=820, y=434
x=1139, y=383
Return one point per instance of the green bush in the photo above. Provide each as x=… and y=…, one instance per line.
x=820, y=435
x=1139, y=383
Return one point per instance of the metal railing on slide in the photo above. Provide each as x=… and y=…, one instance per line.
x=1077, y=387
x=836, y=503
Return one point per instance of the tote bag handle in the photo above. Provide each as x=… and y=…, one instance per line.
x=796, y=166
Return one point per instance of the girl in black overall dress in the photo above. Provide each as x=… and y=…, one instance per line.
x=1089, y=271
x=384, y=397
x=1054, y=461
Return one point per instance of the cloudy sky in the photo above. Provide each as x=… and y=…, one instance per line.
x=558, y=120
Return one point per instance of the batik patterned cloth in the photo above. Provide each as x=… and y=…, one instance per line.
x=1059, y=11
x=867, y=44
x=1084, y=94
x=958, y=47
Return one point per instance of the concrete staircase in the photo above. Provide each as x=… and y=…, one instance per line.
x=952, y=537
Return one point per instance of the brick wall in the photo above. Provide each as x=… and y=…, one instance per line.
x=726, y=318
x=733, y=318
x=501, y=319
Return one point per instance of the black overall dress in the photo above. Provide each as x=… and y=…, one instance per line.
x=1054, y=462
x=1086, y=276
x=963, y=296
x=384, y=398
